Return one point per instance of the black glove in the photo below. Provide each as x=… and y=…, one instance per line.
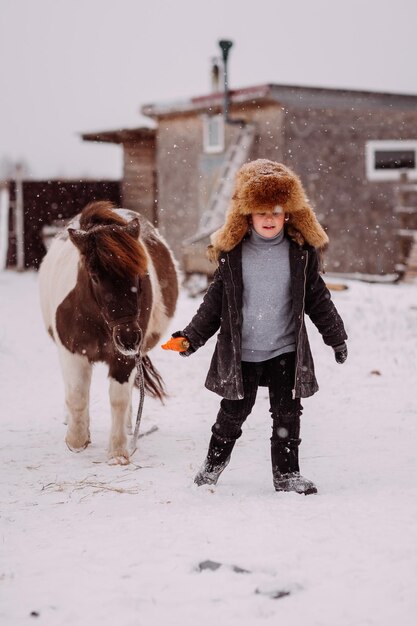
x=340, y=352
x=190, y=349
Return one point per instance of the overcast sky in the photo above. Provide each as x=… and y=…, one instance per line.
x=73, y=66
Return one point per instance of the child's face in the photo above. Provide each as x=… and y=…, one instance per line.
x=268, y=223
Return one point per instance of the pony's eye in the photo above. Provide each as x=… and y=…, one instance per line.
x=134, y=289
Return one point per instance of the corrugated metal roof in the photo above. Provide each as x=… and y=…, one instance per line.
x=287, y=95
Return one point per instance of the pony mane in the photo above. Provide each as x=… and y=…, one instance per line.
x=116, y=251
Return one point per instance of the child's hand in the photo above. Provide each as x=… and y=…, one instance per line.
x=340, y=352
x=190, y=349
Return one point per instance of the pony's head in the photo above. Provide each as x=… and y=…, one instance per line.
x=113, y=264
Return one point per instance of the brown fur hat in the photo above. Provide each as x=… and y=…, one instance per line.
x=261, y=185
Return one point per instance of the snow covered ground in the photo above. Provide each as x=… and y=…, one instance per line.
x=84, y=543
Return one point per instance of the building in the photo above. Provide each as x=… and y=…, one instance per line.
x=350, y=148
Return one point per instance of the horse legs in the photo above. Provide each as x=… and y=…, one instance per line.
x=121, y=407
x=76, y=372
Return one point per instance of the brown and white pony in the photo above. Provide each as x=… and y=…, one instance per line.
x=108, y=286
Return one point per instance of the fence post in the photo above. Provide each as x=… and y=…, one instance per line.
x=19, y=219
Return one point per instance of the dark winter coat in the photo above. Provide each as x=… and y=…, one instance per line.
x=222, y=309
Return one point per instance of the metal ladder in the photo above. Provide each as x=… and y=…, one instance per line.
x=406, y=209
x=236, y=155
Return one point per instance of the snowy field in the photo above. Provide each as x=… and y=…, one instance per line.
x=85, y=543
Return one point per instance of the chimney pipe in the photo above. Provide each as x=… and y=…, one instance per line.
x=215, y=70
x=225, y=46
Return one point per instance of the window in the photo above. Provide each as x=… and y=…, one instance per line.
x=387, y=160
x=213, y=133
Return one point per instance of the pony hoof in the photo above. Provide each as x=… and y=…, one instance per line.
x=75, y=448
x=119, y=459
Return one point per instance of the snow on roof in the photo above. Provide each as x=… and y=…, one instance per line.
x=285, y=94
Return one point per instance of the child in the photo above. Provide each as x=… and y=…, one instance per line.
x=267, y=279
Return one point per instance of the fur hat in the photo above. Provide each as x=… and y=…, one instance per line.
x=259, y=186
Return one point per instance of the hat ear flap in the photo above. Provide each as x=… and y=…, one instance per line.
x=304, y=220
x=230, y=234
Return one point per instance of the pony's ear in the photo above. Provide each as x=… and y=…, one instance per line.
x=133, y=228
x=79, y=238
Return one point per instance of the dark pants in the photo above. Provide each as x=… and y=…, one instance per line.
x=279, y=373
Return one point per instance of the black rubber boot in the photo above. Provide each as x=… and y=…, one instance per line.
x=286, y=470
x=218, y=457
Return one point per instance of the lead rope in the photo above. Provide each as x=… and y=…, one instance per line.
x=140, y=378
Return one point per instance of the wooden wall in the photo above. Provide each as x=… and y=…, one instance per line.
x=178, y=150
x=139, y=189
x=327, y=149
x=47, y=201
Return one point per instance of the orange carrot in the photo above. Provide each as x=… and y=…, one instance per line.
x=179, y=344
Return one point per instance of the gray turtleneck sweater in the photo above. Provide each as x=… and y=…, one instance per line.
x=268, y=322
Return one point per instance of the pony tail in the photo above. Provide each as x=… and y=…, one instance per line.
x=152, y=380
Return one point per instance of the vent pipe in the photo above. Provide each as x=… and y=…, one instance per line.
x=225, y=46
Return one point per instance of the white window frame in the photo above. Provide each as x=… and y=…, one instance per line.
x=388, y=174
x=208, y=145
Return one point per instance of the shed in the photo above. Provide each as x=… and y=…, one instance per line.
x=350, y=149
